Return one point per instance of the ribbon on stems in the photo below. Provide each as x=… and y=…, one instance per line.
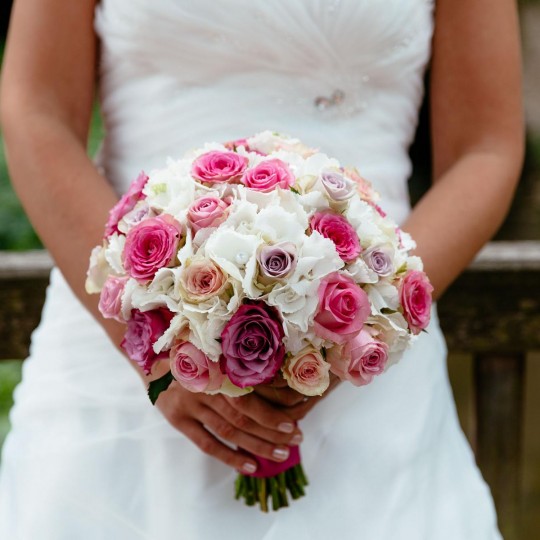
x=274, y=480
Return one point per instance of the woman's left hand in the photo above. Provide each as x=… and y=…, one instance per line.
x=297, y=405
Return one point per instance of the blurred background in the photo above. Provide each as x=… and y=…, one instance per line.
x=523, y=223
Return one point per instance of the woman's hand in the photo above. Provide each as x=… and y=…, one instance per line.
x=249, y=422
x=293, y=403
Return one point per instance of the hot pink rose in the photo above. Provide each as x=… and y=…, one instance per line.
x=143, y=330
x=307, y=372
x=268, y=175
x=218, y=166
x=202, y=279
x=208, y=211
x=359, y=360
x=110, y=299
x=343, y=308
x=252, y=344
x=340, y=231
x=150, y=245
x=126, y=203
x=193, y=369
x=415, y=297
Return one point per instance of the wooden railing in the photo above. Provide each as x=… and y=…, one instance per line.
x=492, y=311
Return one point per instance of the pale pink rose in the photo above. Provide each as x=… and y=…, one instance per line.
x=415, y=298
x=343, y=308
x=193, y=369
x=363, y=186
x=126, y=203
x=268, y=175
x=359, y=360
x=151, y=245
x=110, y=300
x=202, y=279
x=233, y=145
x=144, y=328
x=307, y=372
x=218, y=166
x=208, y=211
x=340, y=231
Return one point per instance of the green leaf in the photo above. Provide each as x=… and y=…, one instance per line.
x=388, y=311
x=294, y=190
x=159, y=385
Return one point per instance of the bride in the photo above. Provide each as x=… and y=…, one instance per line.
x=88, y=456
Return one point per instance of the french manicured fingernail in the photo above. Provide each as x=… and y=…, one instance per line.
x=297, y=439
x=286, y=427
x=249, y=468
x=280, y=453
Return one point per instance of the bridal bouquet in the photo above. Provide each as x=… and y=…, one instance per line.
x=250, y=259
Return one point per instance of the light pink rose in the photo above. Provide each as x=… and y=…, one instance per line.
x=415, y=298
x=202, y=279
x=268, y=175
x=144, y=328
x=110, y=299
x=340, y=231
x=126, y=203
x=218, y=166
x=307, y=372
x=193, y=369
x=151, y=245
x=233, y=145
x=208, y=211
x=343, y=308
x=359, y=360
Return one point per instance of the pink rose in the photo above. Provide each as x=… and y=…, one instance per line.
x=218, y=166
x=193, y=369
x=340, y=231
x=143, y=330
x=252, y=344
x=110, y=299
x=415, y=298
x=126, y=203
x=343, y=308
x=150, y=245
x=307, y=372
x=268, y=175
x=202, y=279
x=208, y=211
x=359, y=360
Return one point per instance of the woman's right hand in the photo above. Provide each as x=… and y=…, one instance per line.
x=249, y=422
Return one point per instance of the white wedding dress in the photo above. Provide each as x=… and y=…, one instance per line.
x=89, y=458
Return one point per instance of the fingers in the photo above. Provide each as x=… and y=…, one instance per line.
x=263, y=413
x=227, y=431
x=284, y=396
x=211, y=446
x=246, y=424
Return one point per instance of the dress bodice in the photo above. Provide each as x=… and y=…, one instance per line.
x=342, y=75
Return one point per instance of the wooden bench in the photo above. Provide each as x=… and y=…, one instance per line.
x=492, y=311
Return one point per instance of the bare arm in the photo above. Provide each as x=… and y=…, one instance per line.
x=477, y=133
x=46, y=101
